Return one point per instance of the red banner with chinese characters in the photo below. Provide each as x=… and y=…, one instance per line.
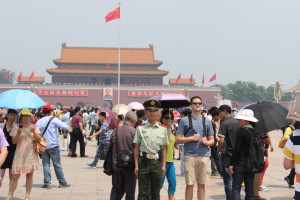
x=139, y=93
x=61, y=92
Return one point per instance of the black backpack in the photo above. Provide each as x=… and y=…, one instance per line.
x=255, y=162
x=191, y=126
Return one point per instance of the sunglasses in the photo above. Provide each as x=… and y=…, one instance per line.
x=167, y=118
x=197, y=103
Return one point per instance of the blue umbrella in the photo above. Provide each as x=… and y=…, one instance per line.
x=18, y=99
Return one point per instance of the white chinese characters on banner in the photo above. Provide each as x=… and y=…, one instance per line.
x=150, y=93
x=61, y=92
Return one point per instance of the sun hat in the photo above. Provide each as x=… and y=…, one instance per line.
x=25, y=112
x=247, y=115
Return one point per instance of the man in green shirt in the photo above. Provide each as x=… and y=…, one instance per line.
x=150, y=141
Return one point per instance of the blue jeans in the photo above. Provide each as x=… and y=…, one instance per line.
x=171, y=177
x=240, y=175
x=102, y=147
x=227, y=177
x=54, y=154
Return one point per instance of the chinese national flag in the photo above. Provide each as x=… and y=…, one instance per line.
x=203, y=80
x=115, y=14
x=20, y=76
x=178, y=78
x=192, y=79
x=214, y=77
x=7, y=73
x=31, y=75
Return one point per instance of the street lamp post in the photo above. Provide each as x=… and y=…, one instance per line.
x=278, y=90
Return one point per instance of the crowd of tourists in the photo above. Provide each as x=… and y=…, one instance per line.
x=140, y=148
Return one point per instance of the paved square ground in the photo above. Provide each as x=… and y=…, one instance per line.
x=93, y=184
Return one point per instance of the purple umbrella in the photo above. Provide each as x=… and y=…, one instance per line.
x=172, y=100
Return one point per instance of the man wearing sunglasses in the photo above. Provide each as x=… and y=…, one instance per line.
x=196, y=148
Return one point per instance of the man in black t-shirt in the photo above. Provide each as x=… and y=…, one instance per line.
x=227, y=133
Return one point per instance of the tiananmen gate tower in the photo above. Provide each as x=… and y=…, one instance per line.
x=99, y=66
x=88, y=77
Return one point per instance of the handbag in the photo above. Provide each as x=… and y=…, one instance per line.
x=124, y=161
x=40, y=147
x=281, y=143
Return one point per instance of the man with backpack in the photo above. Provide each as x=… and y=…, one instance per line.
x=196, y=133
x=247, y=156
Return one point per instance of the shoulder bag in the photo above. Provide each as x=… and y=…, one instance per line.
x=40, y=147
x=124, y=161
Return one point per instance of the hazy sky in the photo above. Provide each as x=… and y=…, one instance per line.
x=257, y=40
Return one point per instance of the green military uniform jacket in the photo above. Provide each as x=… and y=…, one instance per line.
x=155, y=136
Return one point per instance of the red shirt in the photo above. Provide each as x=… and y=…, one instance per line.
x=76, y=119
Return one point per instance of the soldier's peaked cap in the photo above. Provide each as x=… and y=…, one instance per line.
x=151, y=104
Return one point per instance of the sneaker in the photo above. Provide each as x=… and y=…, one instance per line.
x=215, y=174
x=64, y=185
x=291, y=186
x=263, y=188
x=46, y=186
x=287, y=180
x=92, y=166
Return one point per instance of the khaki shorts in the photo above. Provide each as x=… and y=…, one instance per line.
x=197, y=169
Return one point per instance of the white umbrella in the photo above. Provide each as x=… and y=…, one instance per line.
x=121, y=109
x=136, y=106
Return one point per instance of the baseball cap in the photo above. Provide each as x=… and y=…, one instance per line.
x=46, y=107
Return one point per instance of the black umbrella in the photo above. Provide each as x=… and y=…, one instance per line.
x=271, y=116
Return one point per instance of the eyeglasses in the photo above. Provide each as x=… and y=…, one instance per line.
x=197, y=103
x=167, y=118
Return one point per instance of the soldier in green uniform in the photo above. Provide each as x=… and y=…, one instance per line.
x=150, y=149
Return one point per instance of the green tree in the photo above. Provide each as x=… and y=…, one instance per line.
x=224, y=89
x=248, y=91
x=9, y=80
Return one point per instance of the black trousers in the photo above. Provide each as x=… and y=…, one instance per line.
x=77, y=136
x=291, y=176
x=217, y=158
x=123, y=182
